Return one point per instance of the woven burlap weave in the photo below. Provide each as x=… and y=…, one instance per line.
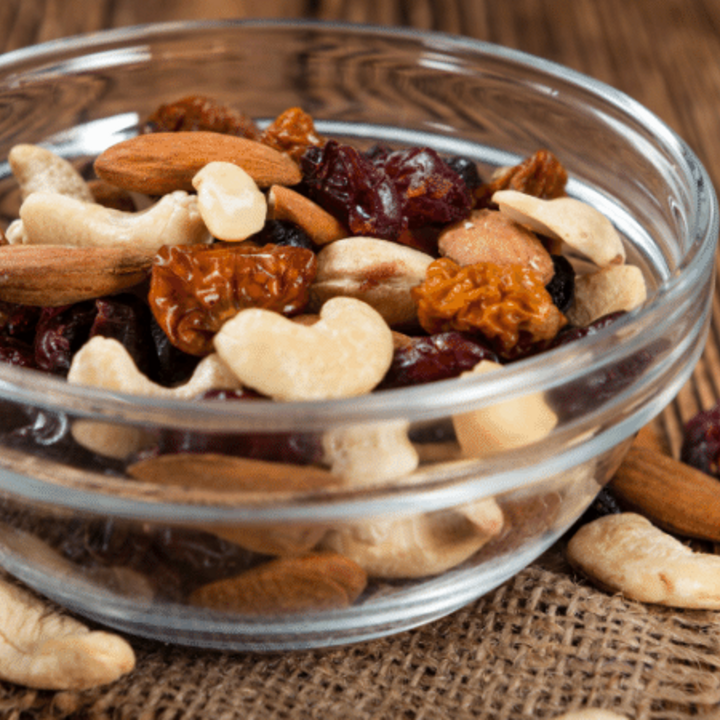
x=540, y=645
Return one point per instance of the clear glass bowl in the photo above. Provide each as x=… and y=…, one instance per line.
x=127, y=552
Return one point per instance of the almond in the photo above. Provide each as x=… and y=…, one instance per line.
x=159, y=163
x=320, y=225
x=54, y=275
x=491, y=236
x=672, y=495
x=321, y=581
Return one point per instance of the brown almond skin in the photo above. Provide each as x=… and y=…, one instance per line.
x=320, y=581
x=672, y=495
x=160, y=163
x=54, y=275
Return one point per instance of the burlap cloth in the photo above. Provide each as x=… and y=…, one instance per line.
x=544, y=643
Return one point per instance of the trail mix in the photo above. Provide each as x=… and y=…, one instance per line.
x=207, y=258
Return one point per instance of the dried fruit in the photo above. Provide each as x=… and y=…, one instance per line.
x=541, y=175
x=197, y=112
x=500, y=303
x=701, y=442
x=322, y=581
x=195, y=289
x=292, y=132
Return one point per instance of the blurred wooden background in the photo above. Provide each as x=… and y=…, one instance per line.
x=663, y=53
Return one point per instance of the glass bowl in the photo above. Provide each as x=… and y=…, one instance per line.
x=432, y=534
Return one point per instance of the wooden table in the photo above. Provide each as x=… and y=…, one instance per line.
x=663, y=53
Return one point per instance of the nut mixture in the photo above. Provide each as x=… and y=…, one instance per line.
x=275, y=264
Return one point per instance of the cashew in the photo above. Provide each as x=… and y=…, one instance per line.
x=54, y=219
x=378, y=272
x=345, y=353
x=105, y=363
x=229, y=201
x=576, y=223
x=365, y=455
x=505, y=425
x=43, y=649
x=625, y=553
x=614, y=288
x=418, y=545
x=40, y=170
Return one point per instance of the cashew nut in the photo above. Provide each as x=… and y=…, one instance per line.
x=229, y=201
x=625, y=553
x=54, y=219
x=105, y=363
x=572, y=221
x=43, y=649
x=345, y=353
x=505, y=425
x=378, y=272
x=40, y=170
x=365, y=455
x=418, y=545
x=614, y=288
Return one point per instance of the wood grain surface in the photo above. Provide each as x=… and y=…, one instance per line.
x=663, y=53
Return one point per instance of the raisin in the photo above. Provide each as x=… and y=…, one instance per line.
x=431, y=192
x=172, y=365
x=194, y=289
x=498, y=302
x=61, y=331
x=466, y=169
x=197, y=112
x=701, y=442
x=349, y=186
x=541, y=175
x=436, y=357
x=294, y=448
x=282, y=232
x=19, y=321
x=562, y=285
x=17, y=352
x=292, y=132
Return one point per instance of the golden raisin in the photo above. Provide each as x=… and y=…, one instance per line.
x=292, y=132
x=499, y=302
x=197, y=112
x=541, y=175
x=194, y=289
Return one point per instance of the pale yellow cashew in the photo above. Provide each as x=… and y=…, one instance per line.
x=105, y=363
x=40, y=170
x=40, y=648
x=55, y=219
x=345, y=353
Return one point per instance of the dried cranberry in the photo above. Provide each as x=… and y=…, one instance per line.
x=17, y=352
x=349, y=186
x=294, y=448
x=19, y=321
x=562, y=285
x=431, y=191
x=61, y=331
x=283, y=232
x=435, y=357
x=701, y=443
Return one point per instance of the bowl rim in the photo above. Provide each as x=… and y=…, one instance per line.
x=419, y=402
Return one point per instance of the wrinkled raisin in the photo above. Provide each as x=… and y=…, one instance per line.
x=431, y=192
x=17, y=352
x=292, y=132
x=562, y=285
x=435, y=357
x=466, y=169
x=349, y=186
x=498, y=302
x=282, y=232
x=194, y=289
x=197, y=112
x=541, y=175
x=701, y=442
x=61, y=331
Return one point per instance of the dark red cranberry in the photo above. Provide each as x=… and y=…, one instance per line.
x=16, y=352
x=701, y=442
x=61, y=331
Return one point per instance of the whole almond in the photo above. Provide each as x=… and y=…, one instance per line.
x=321, y=581
x=672, y=495
x=491, y=236
x=54, y=275
x=320, y=225
x=159, y=163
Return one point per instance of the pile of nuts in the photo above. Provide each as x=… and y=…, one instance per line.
x=278, y=265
